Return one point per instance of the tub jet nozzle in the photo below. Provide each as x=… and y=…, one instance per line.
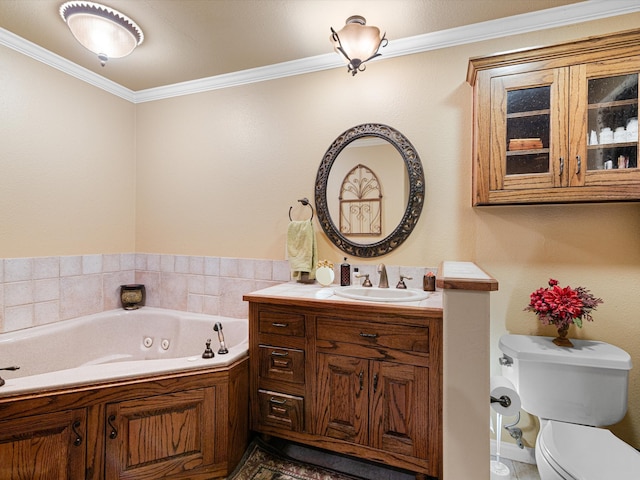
x=223, y=348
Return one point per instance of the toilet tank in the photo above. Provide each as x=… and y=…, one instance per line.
x=587, y=384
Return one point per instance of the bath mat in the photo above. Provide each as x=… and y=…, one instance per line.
x=262, y=462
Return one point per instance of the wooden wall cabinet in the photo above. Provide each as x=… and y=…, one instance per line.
x=557, y=124
x=360, y=379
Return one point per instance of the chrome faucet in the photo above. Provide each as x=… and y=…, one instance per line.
x=384, y=282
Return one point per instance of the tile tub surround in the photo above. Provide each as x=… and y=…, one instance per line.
x=39, y=290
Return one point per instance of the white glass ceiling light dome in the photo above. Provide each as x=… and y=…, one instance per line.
x=357, y=43
x=101, y=29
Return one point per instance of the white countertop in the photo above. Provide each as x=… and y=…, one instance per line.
x=317, y=292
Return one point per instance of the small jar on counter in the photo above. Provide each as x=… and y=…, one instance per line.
x=429, y=282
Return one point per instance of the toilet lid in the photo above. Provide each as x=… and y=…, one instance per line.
x=586, y=453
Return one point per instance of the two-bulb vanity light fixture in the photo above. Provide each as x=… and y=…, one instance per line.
x=357, y=43
x=101, y=29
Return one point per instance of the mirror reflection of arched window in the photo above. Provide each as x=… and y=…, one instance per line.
x=360, y=203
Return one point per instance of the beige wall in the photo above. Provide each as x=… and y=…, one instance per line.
x=217, y=172
x=67, y=163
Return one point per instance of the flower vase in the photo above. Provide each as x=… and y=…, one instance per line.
x=561, y=340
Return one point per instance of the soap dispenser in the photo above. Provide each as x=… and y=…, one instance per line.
x=345, y=273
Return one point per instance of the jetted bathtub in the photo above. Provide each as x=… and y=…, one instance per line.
x=113, y=345
x=124, y=394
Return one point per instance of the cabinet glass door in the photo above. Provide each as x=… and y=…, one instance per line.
x=612, y=135
x=528, y=130
x=528, y=124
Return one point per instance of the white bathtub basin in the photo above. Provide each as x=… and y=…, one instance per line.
x=374, y=294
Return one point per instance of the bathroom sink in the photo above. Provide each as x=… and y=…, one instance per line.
x=373, y=294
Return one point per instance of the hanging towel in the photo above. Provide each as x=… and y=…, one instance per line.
x=302, y=251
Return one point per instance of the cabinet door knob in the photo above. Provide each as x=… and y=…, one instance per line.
x=361, y=377
x=579, y=164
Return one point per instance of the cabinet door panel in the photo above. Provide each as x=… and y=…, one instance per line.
x=45, y=447
x=400, y=408
x=343, y=398
x=528, y=130
x=158, y=436
x=604, y=151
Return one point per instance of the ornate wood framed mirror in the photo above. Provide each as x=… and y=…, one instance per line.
x=398, y=177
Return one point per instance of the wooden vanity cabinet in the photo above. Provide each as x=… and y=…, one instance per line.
x=557, y=124
x=356, y=378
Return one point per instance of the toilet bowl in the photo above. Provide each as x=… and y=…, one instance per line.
x=566, y=451
x=573, y=391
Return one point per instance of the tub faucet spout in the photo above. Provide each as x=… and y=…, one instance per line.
x=223, y=348
x=384, y=281
x=8, y=368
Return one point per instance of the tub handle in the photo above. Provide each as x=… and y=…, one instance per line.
x=114, y=430
x=76, y=425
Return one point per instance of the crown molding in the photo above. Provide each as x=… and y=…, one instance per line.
x=535, y=21
x=51, y=59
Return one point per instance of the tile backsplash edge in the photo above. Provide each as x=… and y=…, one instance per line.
x=40, y=290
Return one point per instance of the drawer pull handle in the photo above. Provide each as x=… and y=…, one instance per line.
x=368, y=335
x=279, y=354
x=275, y=401
x=280, y=325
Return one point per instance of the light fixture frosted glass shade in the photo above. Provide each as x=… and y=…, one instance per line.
x=357, y=43
x=102, y=30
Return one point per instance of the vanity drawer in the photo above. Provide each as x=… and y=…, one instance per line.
x=398, y=337
x=282, y=364
x=281, y=323
x=281, y=410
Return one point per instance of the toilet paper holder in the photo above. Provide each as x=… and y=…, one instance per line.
x=504, y=400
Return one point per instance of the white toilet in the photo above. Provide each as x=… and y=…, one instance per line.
x=573, y=391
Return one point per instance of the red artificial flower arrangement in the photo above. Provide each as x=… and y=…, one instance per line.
x=562, y=306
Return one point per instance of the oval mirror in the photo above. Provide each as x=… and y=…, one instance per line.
x=369, y=190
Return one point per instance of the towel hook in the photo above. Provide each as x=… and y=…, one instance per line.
x=303, y=201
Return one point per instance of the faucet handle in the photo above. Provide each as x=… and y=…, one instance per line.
x=367, y=282
x=401, y=283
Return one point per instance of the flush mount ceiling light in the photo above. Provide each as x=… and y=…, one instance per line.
x=101, y=29
x=357, y=43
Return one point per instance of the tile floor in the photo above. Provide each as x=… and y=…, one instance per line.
x=520, y=471
x=363, y=469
